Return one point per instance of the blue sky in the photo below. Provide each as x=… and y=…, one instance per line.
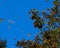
x=17, y=12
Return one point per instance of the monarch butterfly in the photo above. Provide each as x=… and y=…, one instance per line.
x=0, y=20
x=53, y=12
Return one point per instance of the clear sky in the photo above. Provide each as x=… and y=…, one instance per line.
x=16, y=23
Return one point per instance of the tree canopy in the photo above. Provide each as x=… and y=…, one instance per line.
x=51, y=37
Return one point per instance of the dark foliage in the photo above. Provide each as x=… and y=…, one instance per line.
x=3, y=44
